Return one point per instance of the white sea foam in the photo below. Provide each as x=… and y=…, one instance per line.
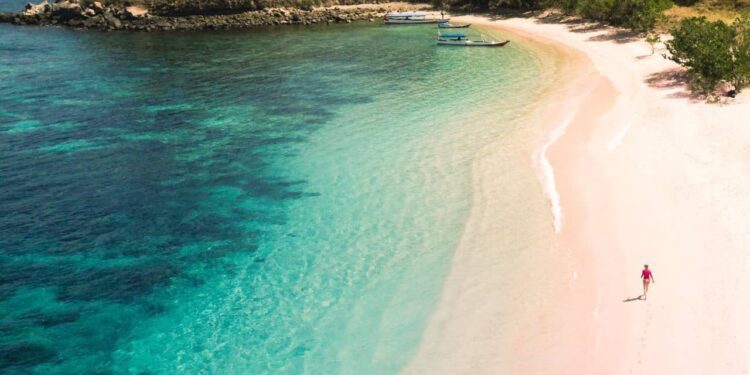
x=547, y=173
x=544, y=167
x=618, y=137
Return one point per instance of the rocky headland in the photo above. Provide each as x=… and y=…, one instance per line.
x=163, y=17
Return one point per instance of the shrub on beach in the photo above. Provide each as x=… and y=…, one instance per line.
x=567, y=6
x=637, y=15
x=713, y=52
x=597, y=10
x=517, y=4
x=741, y=51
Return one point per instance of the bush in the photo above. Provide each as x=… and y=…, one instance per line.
x=638, y=15
x=566, y=6
x=307, y=5
x=517, y=4
x=597, y=10
x=686, y=2
x=704, y=48
x=713, y=52
x=741, y=52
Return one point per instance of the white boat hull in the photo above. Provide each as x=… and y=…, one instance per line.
x=447, y=25
x=415, y=22
x=471, y=43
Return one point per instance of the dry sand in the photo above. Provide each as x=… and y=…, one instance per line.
x=641, y=174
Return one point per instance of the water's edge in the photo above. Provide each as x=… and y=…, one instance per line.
x=230, y=206
x=473, y=324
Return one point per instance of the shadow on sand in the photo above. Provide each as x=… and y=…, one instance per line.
x=639, y=298
x=574, y=24
x=617, y=36
x=675, y=79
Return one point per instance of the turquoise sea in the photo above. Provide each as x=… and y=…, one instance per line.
x=272, y=201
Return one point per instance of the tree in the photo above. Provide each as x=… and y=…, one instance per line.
x=741, y=52
x=704, y=48
x=652, y=39
x=517, y=4
x=566, y=6
x=731, y=3
x=597, y=10
x=638, y=15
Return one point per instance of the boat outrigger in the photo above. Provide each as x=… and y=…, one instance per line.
x=460, y=40
x=448, y=25
x=396, y=18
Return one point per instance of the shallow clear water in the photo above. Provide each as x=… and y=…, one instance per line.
x=282, y=200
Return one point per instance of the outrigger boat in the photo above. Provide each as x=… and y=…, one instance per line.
x=396, y=18
x=448, y=25
x=460, y=40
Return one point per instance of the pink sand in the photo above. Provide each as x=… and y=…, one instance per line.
x=641, y=174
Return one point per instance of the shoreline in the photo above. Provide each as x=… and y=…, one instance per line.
x=484, y=273
x=644, y=174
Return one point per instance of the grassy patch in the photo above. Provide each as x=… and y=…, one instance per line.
x=713, y=10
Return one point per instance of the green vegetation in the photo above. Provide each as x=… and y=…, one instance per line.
x=711, y=39
x=652, y=39
x=703, y=47
x=712, y=52
x=637, y=15
x=742, y=51
x=713, y=10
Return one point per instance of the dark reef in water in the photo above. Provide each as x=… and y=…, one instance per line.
x=168, y=16
x=24, y=355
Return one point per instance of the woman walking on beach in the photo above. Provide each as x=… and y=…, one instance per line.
x=647, y=277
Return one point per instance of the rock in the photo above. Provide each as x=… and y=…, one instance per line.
x=111, y=20
x=76, y=22
x=113, y=17
x=34, y=9
x=93, y=22
x=135, y=12
x=6, y=17
x=66, y=10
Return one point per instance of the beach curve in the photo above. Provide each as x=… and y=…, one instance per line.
x=644, y=174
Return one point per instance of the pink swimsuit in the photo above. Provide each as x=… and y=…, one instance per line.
x=646, y=274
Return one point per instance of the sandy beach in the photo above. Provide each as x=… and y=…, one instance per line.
x=637, y=172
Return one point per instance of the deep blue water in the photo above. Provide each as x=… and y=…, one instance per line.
x=12, y=5
x=282, y=200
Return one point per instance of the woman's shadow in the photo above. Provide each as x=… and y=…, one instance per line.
x=633, y=299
